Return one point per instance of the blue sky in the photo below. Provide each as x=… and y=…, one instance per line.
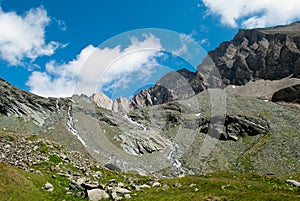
x=44, y=44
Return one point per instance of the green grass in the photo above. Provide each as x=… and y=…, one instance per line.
x=17, y=184
x=223, y=186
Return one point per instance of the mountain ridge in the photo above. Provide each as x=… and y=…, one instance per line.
x=163, y=128
x=264, y=53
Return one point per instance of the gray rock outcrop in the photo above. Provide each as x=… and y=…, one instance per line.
x=265, y=53
x=118, y=105
x=18, y=103
x=176, y=85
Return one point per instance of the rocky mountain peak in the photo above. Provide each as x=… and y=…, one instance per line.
x=264, y=53
x=268, y=53
x=176, y=85
x=117, y=105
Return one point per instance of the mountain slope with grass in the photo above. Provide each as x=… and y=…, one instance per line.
x=186, y=138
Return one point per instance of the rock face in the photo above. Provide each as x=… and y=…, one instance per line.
x=117, y=105
x=290, y=94
x=176, y=85
x=15, y=102
x=101, y=100
x=121, y=105
x=268, y=53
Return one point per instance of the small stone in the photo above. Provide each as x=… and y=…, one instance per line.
x=156, y=184
x=165, y=187
x=97, y=175
x=76, y=174
x=90, y=185
x=192, y=185
x=144, y=186
x=121, y=190
x=48, y=187
x=7, y=146
x=112, y=181
x=75, y=186
x=121, y=184
x=115, y=196
x=196, y=190
x=127, y=196
x=177, y=185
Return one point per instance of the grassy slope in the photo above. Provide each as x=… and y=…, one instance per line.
x=17, y=184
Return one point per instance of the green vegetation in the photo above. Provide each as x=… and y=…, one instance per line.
x=17, y=184
x=55, y=159
x=222, y=186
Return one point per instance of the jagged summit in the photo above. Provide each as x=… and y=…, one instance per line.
x=253, y=54
x=269, y=53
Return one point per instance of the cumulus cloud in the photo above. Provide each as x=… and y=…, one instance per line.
x=23, y=37
x=95, y=67
x=254, y=13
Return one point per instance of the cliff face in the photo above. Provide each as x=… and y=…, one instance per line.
x=176, y=85
x=15, y=102
x=269, y=53
x=117, y=105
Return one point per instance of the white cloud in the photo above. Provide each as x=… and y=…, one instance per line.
x=23, y=37
x=94, y=67
x=204, y=41
x=185, y=40
x=62, y=25
x=254, y=13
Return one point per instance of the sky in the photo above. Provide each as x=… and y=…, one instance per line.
x=57, y=48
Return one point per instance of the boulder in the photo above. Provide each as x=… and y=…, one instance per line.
x=97, y=194
x=293, y=183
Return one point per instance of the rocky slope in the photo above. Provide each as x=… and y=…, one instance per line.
x=15, y=102
x=178, y=126
x=195, y=135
